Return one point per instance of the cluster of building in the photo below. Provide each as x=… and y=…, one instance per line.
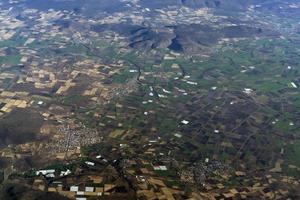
x=74, y=187
x=68, y=142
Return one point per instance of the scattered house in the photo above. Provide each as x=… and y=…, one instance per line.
x=89, y=189
x=74, y=189
x=247, y=91
x=167, y=91
x=65, y=173
x=185, y=122
x=160, y=168
x=191, y=83
x=294, y=85
x=162, y=96
x=89, y=163
x=48, y=173
x=233, y=102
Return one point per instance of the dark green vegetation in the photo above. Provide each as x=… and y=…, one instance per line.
x=12, y=55
x=20, y=126
x=13, y=191
x=252, y=128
